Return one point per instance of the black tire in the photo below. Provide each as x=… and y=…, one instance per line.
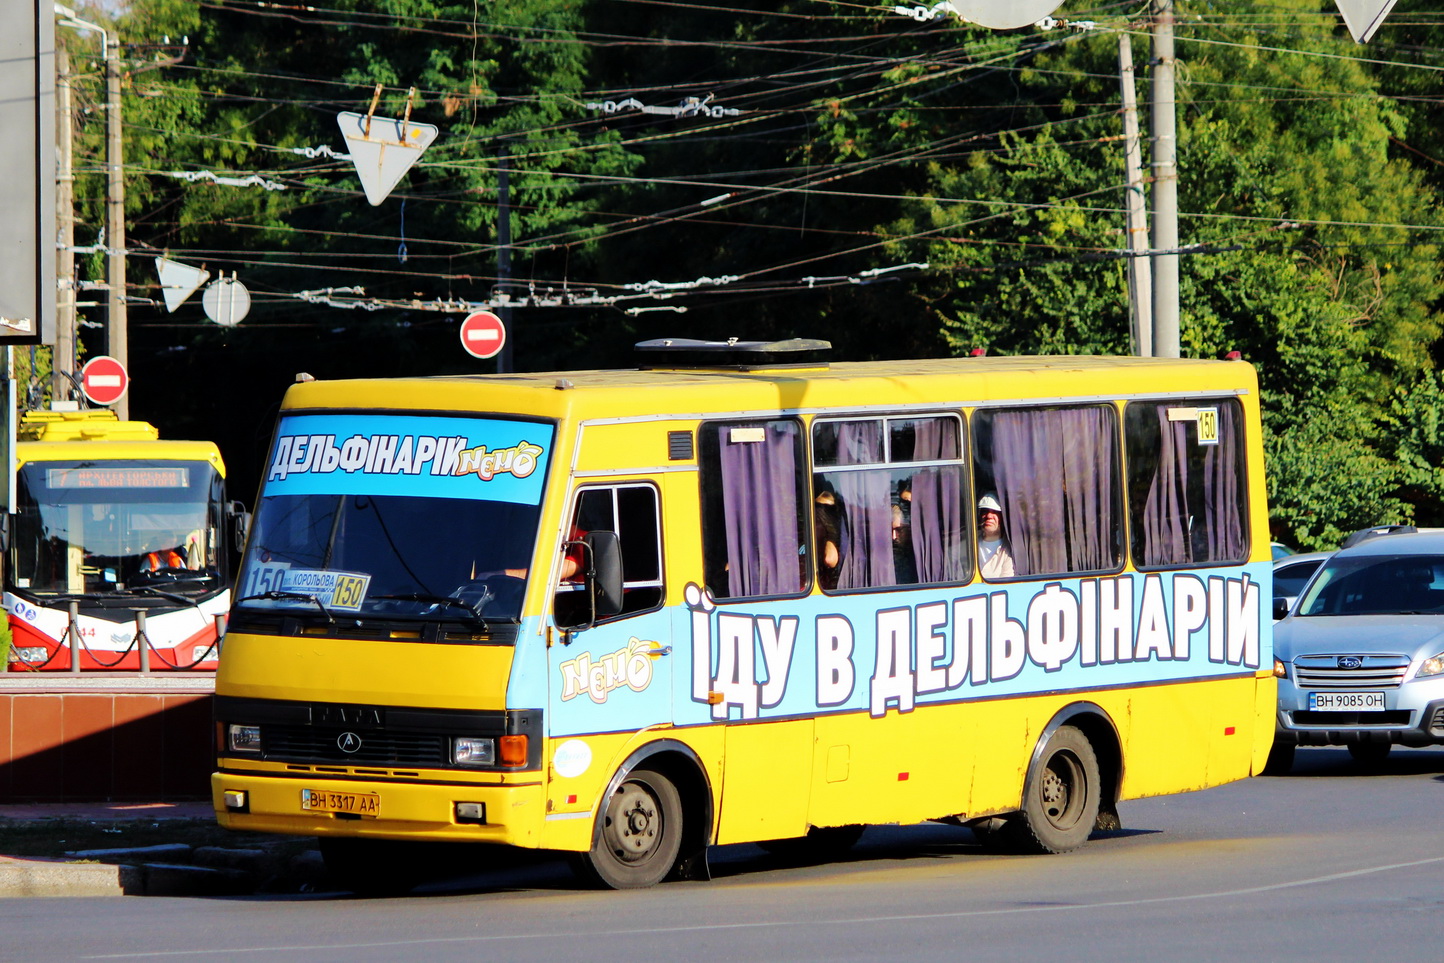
x=373, y=867
x=1280, y=760
x=1061, y=799
x=821, y=842
x=640, y=835
x=1369, y=754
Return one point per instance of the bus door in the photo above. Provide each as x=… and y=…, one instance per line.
x=611, y=673
x=749, y=669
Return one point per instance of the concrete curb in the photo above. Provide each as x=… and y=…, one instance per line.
x=50, y=877
x=213, y=872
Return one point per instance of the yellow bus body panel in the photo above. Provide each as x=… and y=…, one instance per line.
x=391, y=673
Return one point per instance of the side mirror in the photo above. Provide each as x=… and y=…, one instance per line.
x=4, y=534
x=604, y=577
x=1281, y=608
x=240, y=525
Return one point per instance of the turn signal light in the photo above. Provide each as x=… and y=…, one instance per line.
x=513, y=750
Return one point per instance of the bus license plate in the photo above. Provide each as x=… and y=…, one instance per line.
x=326, y=801
x=1345, y=701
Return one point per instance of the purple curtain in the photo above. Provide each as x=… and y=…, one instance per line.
x=1169, y=520
x=1223, y=508
x=938, y=525
x=759, y=501
x=1054, y=469
x=1165, y=512
x=867, y=506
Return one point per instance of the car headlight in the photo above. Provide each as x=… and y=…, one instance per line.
x=1433, y=665
x=1281, y=669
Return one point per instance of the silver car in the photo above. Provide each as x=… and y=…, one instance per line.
x=1360, y=659
x=1291, y=574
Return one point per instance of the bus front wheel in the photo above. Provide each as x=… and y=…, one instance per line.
x=640, y=835
x=1060, y=806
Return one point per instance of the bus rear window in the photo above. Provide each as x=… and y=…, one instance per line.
x=1186, y=487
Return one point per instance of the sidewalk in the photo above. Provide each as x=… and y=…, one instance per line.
x=170, y=869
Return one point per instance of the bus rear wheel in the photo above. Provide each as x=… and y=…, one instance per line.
x=1060, y=806
x=640, y=835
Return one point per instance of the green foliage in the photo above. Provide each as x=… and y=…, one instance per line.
x=1309, y=180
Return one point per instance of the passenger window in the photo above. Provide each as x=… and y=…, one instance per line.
x=1054, y=475
x=888, y=502
x=1188, y=501
x=753, y=502
x=632, y=512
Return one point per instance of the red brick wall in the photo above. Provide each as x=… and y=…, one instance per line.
x=65, y=746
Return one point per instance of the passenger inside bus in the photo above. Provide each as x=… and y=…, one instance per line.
x=904, y=563
x=994, y=559
x=828, y=519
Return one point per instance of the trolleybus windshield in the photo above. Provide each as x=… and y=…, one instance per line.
x=98, y=526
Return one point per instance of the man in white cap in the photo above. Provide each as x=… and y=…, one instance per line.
x=993, y=558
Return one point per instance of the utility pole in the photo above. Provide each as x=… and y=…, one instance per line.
x=62, y=358
x=117, y=342
x=1165, y=186
x=1140, y=276
x=503, y=259
x=117, y=335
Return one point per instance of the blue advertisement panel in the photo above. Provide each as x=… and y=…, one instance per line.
x=898, y=651
x=616, y=677
x=903, y=650
x=420, y=455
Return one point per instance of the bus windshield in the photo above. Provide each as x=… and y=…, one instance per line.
x=396, y=517
x=387, y=556
x=86, y=527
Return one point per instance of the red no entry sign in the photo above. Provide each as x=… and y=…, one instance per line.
x=103, y=380
x=483, y=334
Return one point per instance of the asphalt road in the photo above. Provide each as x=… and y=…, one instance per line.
x=1327, y=863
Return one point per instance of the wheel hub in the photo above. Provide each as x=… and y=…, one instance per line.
x=633, y=823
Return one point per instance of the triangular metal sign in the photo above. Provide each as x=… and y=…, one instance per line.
x=1363, y=17
x=178, y=281
x=383, y=149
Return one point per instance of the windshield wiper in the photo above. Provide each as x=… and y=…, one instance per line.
x=171, y=596
x=451, y=600
x=278, y=596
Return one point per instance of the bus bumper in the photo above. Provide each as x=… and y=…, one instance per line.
x=509, y=815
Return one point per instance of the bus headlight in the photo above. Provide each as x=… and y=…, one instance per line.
x=472, y=751
x=243, y=738
x=28, y=653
